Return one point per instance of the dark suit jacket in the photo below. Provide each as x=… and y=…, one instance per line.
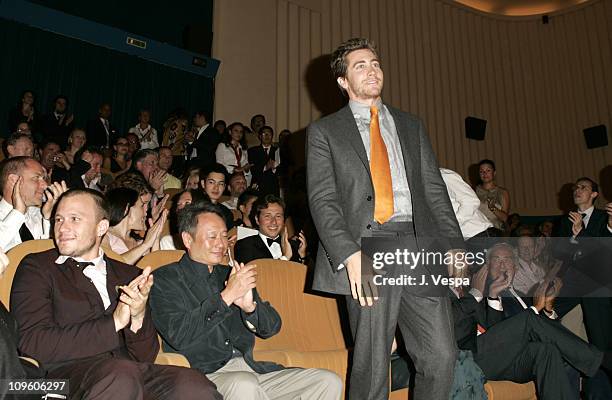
x=62, y=318
x=206, y=146
x=193, y=319
x=96, y=134
x=252, y=248
x=52, y=129
x=341, y=193
x=72, y=177
x=467, y=313
x=267, y=181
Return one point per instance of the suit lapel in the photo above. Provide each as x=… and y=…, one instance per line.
x=262, y=247
x=349, y=128
x=112, y=281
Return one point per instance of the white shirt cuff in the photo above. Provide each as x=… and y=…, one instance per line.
x=476, y=293
x=495, y=304
x=552, y=315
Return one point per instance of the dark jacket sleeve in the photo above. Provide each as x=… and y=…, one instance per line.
x=264, y=322
x=143, y=345
x=41, y=336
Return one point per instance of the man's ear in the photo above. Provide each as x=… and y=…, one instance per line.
x=187, y=240
x=102, y=227
x=12, y=179
x=342, y=82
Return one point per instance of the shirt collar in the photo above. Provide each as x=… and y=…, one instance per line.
x=96, y=261
x=5, y=205
x=588, y=212
x=265, y=238
x=362, y=111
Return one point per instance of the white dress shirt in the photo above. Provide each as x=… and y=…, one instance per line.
x=528, y=274
x=226, y=156
x=152, y=143
x=96, y=274
x=275, y=249
x=465, y=204
x=11, y=221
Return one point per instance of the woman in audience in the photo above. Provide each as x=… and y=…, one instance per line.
x=245, y=203
x=22, y=112
x=232, y=153
x=494, y=200
x=192, y=178
x=76, y=141
x=173, y=240
x=120, y=161
x=127, y=213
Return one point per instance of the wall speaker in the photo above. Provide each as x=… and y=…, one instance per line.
x=596, y=136
x=475, y=128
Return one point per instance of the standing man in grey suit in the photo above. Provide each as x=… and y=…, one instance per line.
x=372, y=173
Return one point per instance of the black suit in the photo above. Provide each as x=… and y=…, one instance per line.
x=253, y=248
x=56, y=129
x=523, y=347
x=206, y=146
x=267, y=181
x=586, y=264
x=193, y=319
x=64, y=325
x=97, y=134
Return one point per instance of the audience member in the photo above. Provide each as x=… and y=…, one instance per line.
x=220, y=126
x=512, y=225
x=173, y=241
x=24, y=128
x=237, y=186
x=494, y=200
x=58, y=124
x=18, y=144
x=192, y=178
x=100, y=131
x=85, y=316
x=127, y=212
x=175, y=129
x=232, y=153
x=51, y=157
x=246, y=228
x=165, y=164
x=22, y=213
x=213, y=180
x=258, y=121
x=265, y=159
x=202, y=141
x=199, y=298
x=272, y=240
x=120, y=161
x=147, y=162
x=133, y=144
x=75, y=142
x=528, y=273
x=145, y=132
x=22, y=112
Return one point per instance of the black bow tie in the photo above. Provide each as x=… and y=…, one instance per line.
x=271, y=241
x=81, y=265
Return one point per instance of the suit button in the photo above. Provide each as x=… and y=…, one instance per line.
x=369, y=226
x=369, y=198
x=227, y=342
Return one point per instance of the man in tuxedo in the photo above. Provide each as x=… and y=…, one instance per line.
x=203, y=141
x=266, y=160
x=586, y=264
x=197, y=298
x=372, y=173
x=100, y=131
x=23, y=213
x=57, y=125
x=85, y=316
x=272, y=240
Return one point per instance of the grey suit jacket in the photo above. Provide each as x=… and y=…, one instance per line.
x=341, y=194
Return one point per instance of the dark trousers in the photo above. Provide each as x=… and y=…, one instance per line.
x=111, y=378
x=530, y=347
x=426, y=326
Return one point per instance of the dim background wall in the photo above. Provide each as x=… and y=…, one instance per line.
x=538, y=85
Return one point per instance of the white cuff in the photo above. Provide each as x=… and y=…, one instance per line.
x=476, y=293
x=495, y=304
x=535, y=310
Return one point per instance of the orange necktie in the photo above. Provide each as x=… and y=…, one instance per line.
x=381, y=171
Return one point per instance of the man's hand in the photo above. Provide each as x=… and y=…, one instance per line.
x=135, y=296
x=160, y=206
x=53, y=192
x=546, y=293
x=69, y=119
x=241, y=280
x=362, y=288
x=245, y=302
x=577, y=223
x=17, y=199
x=271, y=164
x=303, y=245
x=286, y=244
x=609, y=211
x=156, y=180
x=121, y=316
x=500, y=284
x=479, y=279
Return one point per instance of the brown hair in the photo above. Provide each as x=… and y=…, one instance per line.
x=338, y=58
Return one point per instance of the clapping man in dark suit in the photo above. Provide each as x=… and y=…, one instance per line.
x=372, y=172
x=202, y=142
x=272, y=240
x=57, y=125
x=266, y=160
x=85, y=316
x=211, y=313
x=586, y=263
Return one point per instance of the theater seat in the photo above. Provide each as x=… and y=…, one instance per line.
x=310, y=336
